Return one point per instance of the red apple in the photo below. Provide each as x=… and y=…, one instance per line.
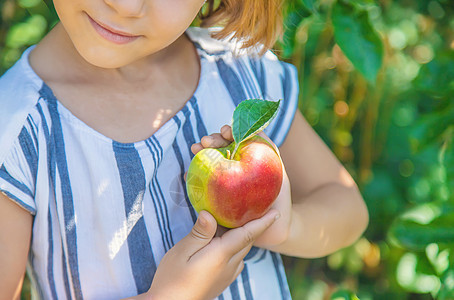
x=235, y=190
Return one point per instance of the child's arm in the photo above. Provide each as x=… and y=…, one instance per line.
x=321, y=207
x=15, y=233
x=328, y=211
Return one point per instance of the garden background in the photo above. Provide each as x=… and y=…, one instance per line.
x=376, y=82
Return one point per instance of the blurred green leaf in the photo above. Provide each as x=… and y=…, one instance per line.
x=311, y=5
x=344, y=295
x=437, y=77
x=447, y=285
x=29, y=3
x=358, y=39
x=27, y=33
x=439, y=258
x=423, y=225
x=414, y=275
x=430, y=129
x=292, y=22
x=360, y=2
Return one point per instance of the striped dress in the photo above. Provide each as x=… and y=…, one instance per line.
x=106, y=212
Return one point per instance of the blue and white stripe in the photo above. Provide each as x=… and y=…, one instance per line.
x=105, y=213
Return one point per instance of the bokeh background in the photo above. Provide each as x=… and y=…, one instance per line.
x=377, y=84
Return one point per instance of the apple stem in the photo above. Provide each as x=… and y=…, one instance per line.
x=228, y=154
x=234, y=150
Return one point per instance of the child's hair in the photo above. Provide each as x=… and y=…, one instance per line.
x=253, y=22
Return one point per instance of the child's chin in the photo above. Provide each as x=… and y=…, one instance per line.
x=106, y=58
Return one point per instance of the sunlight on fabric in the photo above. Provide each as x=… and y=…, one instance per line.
x=102, y=187
x=71, y=224
x=121, y=235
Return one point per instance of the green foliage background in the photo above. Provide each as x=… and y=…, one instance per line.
x=376, y=82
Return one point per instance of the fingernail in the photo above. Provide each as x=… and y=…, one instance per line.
x=202, y=221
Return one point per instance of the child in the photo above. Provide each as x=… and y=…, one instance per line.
x=98, y=125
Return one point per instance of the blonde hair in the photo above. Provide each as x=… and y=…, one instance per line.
x=256, y=23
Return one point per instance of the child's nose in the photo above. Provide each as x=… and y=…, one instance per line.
x=127, y=8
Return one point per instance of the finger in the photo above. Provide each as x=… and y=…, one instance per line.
x=238, y=257
x=226, y=132
x=236, y=239
x=239, y=269
x=201, y=234
x=214, y=140
x=195, y=148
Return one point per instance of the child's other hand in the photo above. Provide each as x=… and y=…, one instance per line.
x=279, y=231
x=201, y=265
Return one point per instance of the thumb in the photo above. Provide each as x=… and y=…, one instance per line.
x=201, y=234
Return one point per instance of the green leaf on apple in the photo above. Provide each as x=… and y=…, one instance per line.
x=250, y=117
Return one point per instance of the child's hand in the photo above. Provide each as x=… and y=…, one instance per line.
x=201, y=265
x=279, y=231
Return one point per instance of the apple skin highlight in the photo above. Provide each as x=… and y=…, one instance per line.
x=236, y=190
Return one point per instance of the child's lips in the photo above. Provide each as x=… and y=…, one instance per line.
x=112, y=35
